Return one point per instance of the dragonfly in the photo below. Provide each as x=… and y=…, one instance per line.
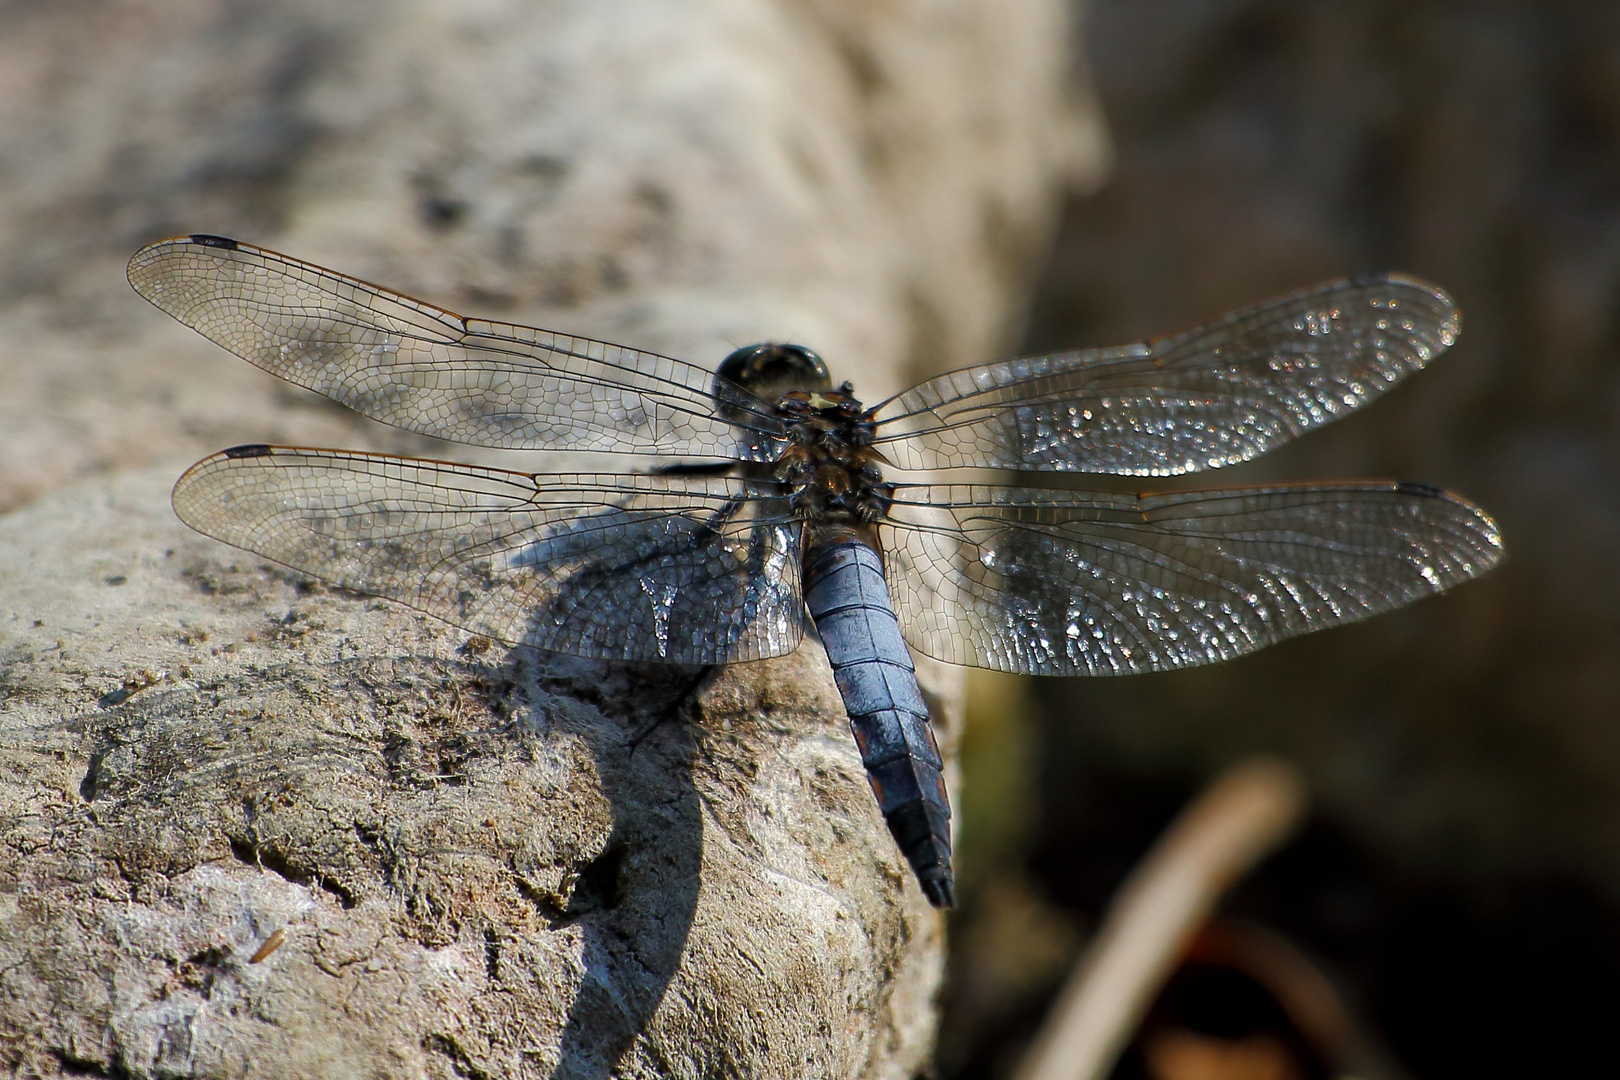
x=780, y=499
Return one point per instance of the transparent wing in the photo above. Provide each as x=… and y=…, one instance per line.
x=1083, y=583
x=1213, y=396
x=682, y=569
x=429, y=370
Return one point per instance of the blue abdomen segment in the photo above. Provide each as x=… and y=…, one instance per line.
x=849, y=601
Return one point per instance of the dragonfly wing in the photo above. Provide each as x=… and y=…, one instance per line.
x=420, y=367
x=1209, y=397
x=1084, y=583
x=681, y=569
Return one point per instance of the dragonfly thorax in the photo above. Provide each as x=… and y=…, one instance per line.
x=834, y=470
x=829, y=462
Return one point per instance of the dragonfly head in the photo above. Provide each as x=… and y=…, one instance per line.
x=771, y=369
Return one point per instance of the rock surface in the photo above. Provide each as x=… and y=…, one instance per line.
x=468, y=871
x=468, y=865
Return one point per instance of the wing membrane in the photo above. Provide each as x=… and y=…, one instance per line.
x=681, y=569
x=1083, y=583
x=419, y=367
x=1209, y=397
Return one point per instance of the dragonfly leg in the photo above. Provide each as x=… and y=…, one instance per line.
x=675, y=708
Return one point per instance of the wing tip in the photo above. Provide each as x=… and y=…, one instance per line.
x=1493, y=551
x=1450, y=317
x=147, y=282
x=185, y=483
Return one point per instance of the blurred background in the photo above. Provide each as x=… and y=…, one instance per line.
x=1460, y=878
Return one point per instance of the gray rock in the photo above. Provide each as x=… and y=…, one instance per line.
x=457, y=845
x=469, y=871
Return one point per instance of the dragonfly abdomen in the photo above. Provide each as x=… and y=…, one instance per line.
x=849, y=601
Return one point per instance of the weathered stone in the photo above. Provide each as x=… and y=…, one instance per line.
x=471, y=872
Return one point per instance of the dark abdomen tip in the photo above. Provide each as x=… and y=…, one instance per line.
x=939, y=887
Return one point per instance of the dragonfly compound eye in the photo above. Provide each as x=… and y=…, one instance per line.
x=769, y=369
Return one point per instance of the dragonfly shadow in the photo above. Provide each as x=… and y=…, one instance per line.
x=634, y=903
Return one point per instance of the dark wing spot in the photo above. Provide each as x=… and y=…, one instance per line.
x=210, y=240
x=257, y=449
x=1416, y=487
